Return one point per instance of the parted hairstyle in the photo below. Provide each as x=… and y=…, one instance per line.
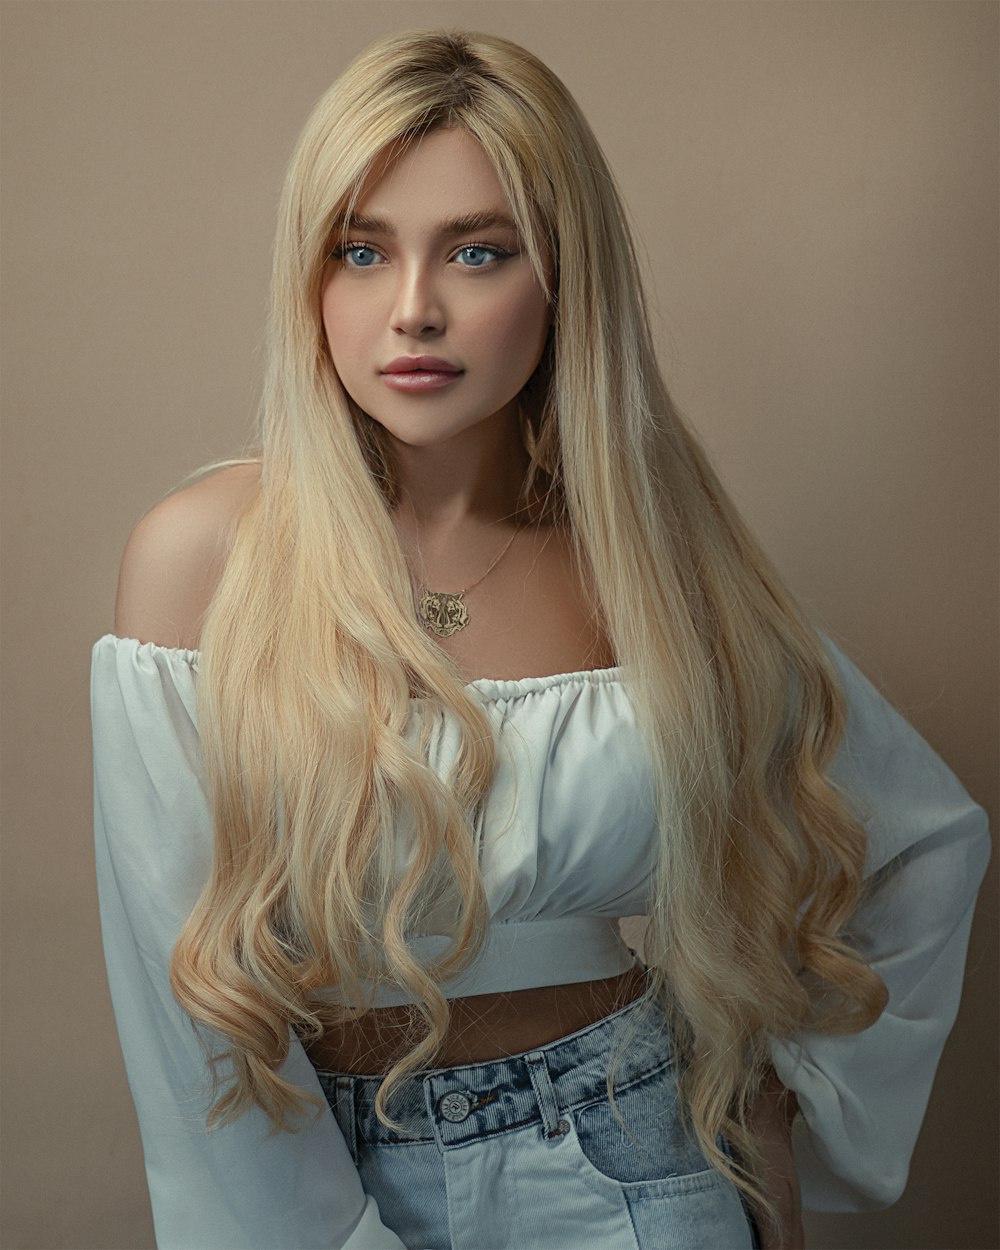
x=313, y=658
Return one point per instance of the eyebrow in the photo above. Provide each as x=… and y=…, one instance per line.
x=466, y=224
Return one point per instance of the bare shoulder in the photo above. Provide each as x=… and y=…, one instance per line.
x=174, y=557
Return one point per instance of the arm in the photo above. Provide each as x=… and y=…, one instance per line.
x=235, y=1188
x=863, y=1096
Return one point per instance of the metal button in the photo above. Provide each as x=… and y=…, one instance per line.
x=455, y=1107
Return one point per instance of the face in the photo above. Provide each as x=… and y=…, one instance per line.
x=412, y=287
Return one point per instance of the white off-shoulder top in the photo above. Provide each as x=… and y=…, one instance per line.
x=567, y=845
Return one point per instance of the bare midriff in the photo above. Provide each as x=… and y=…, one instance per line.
x=482, y=1027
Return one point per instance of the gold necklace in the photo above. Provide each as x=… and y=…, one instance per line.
x=445, y=613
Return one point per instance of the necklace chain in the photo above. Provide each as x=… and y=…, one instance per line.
x=445, y=613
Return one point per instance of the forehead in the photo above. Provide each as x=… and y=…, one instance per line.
x=441, y=175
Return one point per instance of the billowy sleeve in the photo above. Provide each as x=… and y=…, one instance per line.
x=233, y=1188
x=863, y=1096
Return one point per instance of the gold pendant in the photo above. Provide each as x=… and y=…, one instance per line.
x=442, y=612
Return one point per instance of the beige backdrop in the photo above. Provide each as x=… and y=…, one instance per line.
x=814, y=186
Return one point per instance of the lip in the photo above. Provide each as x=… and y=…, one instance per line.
x=425, y=364
x=420, y=380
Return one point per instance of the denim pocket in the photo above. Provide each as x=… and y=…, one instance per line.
x=653, y=1146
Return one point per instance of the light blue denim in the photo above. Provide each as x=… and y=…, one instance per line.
x=524, y=1152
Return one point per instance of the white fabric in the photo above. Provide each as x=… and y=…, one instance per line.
x=523, y=954
x=568, y=833
x=863, y=1096
x=230, y=1189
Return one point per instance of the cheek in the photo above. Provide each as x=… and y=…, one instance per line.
x=331, y=322
x=342, y=324
x=517, y=326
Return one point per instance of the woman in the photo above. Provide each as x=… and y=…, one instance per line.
x=366, y=874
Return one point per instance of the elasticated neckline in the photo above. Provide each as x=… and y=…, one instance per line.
x=491, y=687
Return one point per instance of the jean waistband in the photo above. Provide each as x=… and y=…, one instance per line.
x=457, y=1104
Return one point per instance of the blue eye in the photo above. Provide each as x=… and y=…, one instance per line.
x=498, y=253
x=481, y=247
x=340, y=252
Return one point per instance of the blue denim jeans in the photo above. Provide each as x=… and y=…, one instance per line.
x=525, y=1152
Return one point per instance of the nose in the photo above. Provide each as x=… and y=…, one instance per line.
x=417, y=310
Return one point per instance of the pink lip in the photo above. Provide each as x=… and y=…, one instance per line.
x=419, y=380
x=426, y=364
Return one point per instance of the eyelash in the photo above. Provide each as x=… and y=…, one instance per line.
x=339, y=253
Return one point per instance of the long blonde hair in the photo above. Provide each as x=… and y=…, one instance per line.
x=311, y=653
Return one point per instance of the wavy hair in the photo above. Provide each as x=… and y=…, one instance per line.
x=312, y=654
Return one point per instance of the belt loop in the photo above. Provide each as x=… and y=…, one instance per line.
x=346, y=1117
x=541, y=1081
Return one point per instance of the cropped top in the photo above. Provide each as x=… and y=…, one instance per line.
x=567, y=845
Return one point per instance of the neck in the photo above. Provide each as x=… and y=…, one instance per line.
x=472, y=479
